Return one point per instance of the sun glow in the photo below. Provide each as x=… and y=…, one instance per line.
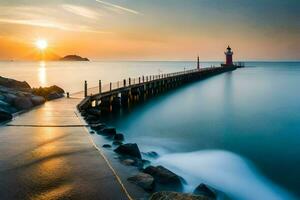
x=41, y=44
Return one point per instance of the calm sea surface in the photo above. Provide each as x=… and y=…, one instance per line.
x=238, y=132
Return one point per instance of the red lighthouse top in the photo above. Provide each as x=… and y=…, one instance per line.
x=229, y=54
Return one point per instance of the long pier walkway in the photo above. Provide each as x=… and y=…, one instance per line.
x=113, y=96
x=47, y=154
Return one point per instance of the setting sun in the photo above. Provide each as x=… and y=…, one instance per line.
x=41, y=44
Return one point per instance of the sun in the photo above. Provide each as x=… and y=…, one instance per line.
x=41, y=44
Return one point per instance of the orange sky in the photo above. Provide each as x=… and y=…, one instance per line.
x=139, y=30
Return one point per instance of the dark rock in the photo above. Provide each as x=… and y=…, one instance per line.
x=54, y=95
x=11, y=83
x=130, y=150
x=164, y=177
x=119, y=137
x=204, y=190
x=176, y=196
x=97, y=127
x=49, y=93
x=143, y=180
x=92, y=132
x=94, y=111
x=4, y=116
x=10, y=98
x=106, y=146
x=109, y=131
x=22, y=103
x=37, y=100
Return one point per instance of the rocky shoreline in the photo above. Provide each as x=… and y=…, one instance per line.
x=17, y=96
x=157, y=181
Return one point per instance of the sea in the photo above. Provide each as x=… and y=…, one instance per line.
x=238, y=132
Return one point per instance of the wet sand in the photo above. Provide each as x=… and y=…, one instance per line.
x=52, y=157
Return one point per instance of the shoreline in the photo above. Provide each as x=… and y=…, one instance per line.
x=108, y=146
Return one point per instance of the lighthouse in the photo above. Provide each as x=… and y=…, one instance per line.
x=229, y=54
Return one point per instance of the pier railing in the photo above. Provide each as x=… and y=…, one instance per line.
x=131, y=82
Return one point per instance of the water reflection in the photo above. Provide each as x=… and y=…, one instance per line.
x=42, y=75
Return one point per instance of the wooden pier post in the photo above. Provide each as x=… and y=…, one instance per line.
x=100, y=87
x=124, y=82
x=129, y=81
x=85, y=88
x=110, y=86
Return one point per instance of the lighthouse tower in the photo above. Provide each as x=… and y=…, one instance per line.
x=229, y=54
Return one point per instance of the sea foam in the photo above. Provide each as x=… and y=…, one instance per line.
x=225, y=171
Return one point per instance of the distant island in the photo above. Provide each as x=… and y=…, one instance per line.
x=73, y=58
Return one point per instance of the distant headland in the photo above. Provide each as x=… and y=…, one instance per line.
x=73, y=58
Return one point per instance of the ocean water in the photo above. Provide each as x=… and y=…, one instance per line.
x=238, y=132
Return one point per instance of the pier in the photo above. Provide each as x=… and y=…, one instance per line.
x=113, y=96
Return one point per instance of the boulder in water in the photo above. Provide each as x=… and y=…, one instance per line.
x=204, y=190
x=119, y=137
x=143, y=180
x=166, y=179
x=129, y=149
x=38, y=100
x=109, y=131
x=22, y=103
x=177, y=196
x=5, y=116
x=106, y=146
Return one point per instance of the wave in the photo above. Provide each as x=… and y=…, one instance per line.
x=225, y=171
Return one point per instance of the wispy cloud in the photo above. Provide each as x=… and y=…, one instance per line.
x=81, y=11
x=119, y=7
x=54, y=18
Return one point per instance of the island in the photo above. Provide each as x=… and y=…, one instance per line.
x=73, y=58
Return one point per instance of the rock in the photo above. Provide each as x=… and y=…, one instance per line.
x=109, y=131
x=97, y=127
x=5, y=107
x=94, y=111
x=54, y=95
x=5, y=116
x=10, y=98
x=49, y=93
x=106, y=146
x=22, y=103
x=143, y=180
x=92, y=132
x=128, y=162
x=119, y=137
x=38, y=100
x=164, y=177
x=204, y=190
x=129, y=149
x=11, y=83
x=176, y=196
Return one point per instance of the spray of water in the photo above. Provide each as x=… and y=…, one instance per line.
x=224, y=171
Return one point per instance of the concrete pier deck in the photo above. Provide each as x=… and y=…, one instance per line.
x=47, y=154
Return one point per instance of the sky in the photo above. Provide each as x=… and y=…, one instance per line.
x=152, y=29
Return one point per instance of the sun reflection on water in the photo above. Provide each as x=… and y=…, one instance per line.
x=42, y=75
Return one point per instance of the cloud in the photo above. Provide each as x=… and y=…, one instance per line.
x=81, y=11
x=48, y=17
x=119, y=7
